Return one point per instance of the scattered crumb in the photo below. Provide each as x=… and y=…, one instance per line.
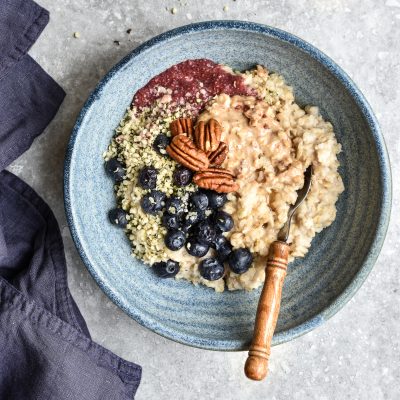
x=189, y=16
x=77, y=35
x=128, y=31
x=117, y=42
x=226, y=8
x=174, y=10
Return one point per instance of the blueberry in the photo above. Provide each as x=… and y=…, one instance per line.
x=174, y=205
x=193, y=217
x=215, y=200
x=219, y=241
x=185, y=227
x=196, y=249
x=211, y=269
x=171, y=221
x=223, y=221
x=182, y=176
x=205, y=232
x=223, y=250
x=153, y=202
x=198, y=201
x=166, y=269
x=148, y=178
x=159, y=196
x=160, y=143
x=223, y=247
x=115, y=169
x=240, y=260
x=117, y=216
x=175, y=239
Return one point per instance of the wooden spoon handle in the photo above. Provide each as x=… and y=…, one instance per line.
x=256, y=366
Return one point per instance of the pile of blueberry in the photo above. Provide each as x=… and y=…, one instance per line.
x=116, y=171
x=198, y=225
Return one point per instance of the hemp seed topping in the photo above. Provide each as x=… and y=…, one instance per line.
x=133, y=145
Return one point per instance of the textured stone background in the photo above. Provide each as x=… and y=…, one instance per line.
x=355, y=355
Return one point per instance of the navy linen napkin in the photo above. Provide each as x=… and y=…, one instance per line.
x=45, y=347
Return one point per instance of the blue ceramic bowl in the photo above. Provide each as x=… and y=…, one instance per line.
x=340, y=257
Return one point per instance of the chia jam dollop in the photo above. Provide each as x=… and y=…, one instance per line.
x=191, y=82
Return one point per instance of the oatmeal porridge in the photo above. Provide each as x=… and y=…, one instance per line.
x=206, y=164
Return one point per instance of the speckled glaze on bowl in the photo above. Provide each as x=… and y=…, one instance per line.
x=340, y=257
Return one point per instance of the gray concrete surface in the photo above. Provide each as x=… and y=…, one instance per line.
x=355, y=355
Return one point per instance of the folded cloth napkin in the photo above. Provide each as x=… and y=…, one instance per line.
x=45, y=348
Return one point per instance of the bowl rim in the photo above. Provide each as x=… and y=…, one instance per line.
x=384, y=166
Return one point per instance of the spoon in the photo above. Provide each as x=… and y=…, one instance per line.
x=256, y=366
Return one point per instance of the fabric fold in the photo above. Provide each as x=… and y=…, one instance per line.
x=21, y=23
x=41, y=328
x=45, y=347
x=29, y=99
x=35, y=262
x=73, y=366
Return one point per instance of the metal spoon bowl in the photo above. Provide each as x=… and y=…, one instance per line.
x=301, y=195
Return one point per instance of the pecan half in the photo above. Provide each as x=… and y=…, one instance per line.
x=218, y=179
x=183, y=150
x=208, y=135
x=218, y=156
x=182, y=126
